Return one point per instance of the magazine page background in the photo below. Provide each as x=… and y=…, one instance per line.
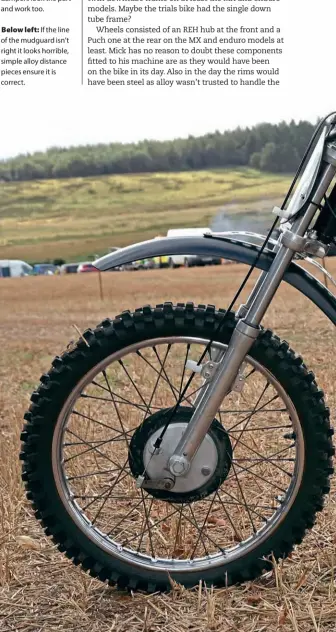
x=42, y=316
x=50, y=111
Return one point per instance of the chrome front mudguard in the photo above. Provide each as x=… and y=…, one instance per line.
x=238, y=247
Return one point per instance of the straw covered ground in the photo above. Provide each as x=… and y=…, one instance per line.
x=40, y=590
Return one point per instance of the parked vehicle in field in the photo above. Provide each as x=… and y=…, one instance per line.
x=131, y=265
x=186, y=443
x=45, y=269
x=140, y=264
x=175, y=261
x=201, y=260
x=146, y=264
x=86, y=266
x=14, y=268
x=163, y=260
x=69, y=268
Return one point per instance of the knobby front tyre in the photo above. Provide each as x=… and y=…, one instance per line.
x=255, y=485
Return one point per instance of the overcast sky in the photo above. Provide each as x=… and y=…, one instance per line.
x=68, y=114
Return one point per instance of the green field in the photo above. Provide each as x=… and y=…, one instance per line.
x=80, y=217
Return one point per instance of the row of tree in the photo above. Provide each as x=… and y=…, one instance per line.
x=274, y=148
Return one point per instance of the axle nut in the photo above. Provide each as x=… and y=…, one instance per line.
x=178, y=468
x=178, y=465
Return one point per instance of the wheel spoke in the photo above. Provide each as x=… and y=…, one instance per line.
x=121, y=400
x=245, y=503
x=200, y=536
x=107, y=496
x=266, y=459
x=250, y=417
x=100, y=423
x=112, y=415
x=193, y=522
x=73, y=478
x=238, y=503
x=153, y=526
x=133, y=383
x=178, y=532
x=269, y=460
x=184, y=370
x=174, y=390
x=261, y=478
x=124, y=518
x=239, y=537
x=259, y=428
x=255, y=411
x=90, y=449
x=147, y=514
x=184, y=398
x=116, y=408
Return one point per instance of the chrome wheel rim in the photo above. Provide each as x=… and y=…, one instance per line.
x=90, y=467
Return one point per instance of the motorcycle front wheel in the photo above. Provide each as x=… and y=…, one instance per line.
x=255, y=484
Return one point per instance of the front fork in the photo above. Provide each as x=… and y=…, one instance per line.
x=247, y=330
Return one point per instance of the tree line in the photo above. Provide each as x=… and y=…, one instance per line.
x=269, y=147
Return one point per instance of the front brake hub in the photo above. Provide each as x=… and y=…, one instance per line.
x=209, y=467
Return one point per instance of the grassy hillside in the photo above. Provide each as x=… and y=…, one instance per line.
x=74, y=218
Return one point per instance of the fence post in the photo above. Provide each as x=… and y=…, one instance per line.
x=101, y=292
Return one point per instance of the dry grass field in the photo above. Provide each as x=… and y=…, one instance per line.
x=40, y=590
x=79, y=217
